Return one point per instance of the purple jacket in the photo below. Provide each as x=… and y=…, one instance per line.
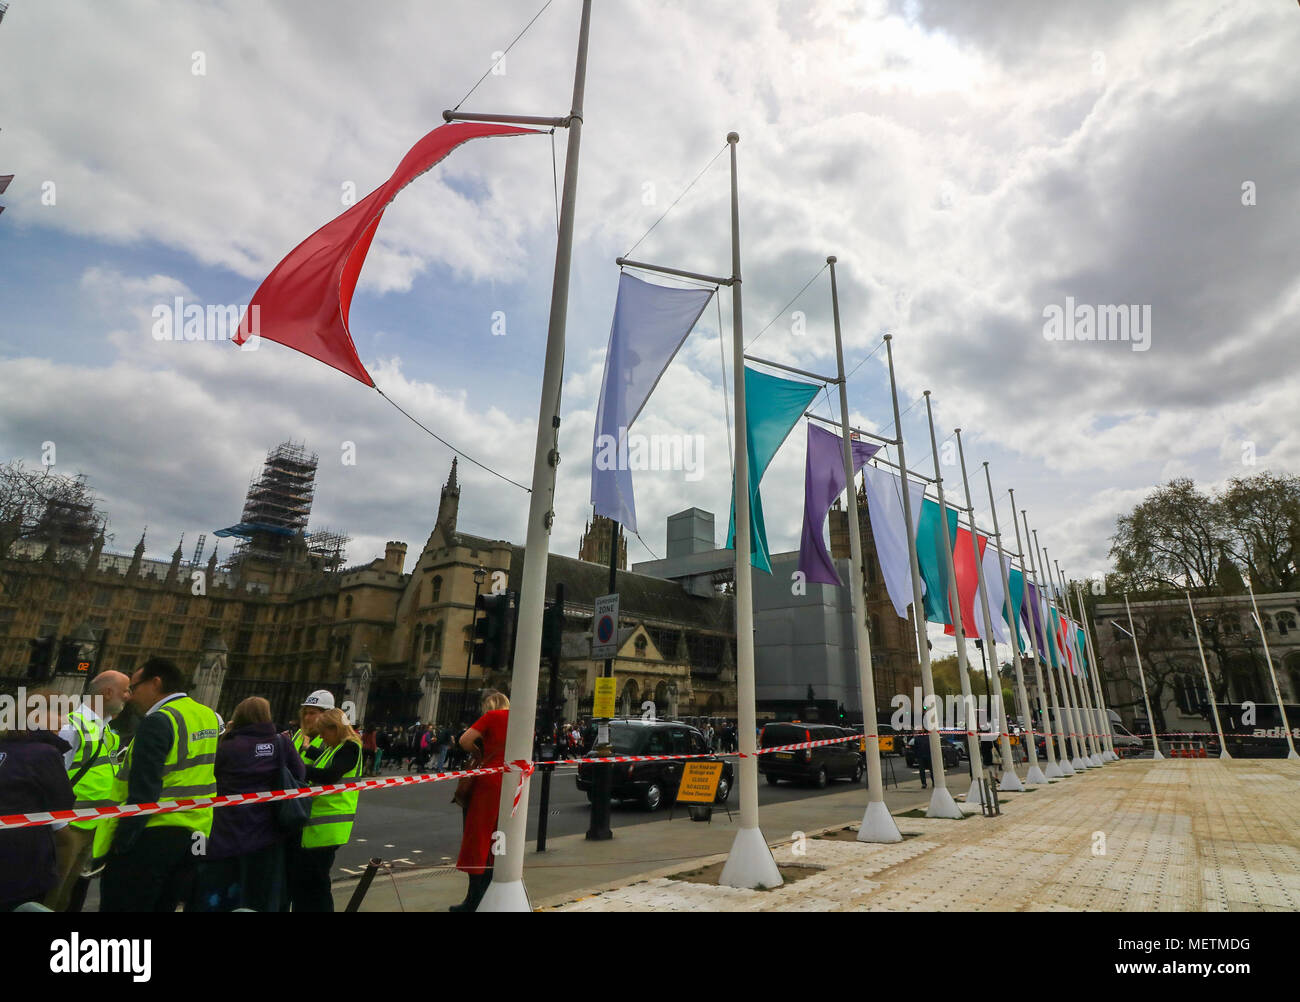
x=32, y=778
x=248, y=761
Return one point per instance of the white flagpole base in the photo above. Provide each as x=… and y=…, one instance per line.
x=750, y=864
x=1065, y=767
x=1095, y=761
x=973, y=794
x=878, y=824
x=1157, y=756
x=1223, y=755
x=1035, y=777
x=1111, y=756
x=943, y=806
x=1053, y=771
x=1078, y=763
x=1293, y=756
x=1011, y=783
x=505, y=896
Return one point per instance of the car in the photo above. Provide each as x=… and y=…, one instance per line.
x=951, y=750
x=652, y=784
x=817, y=766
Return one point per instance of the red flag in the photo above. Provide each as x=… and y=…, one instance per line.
x=304, y=303
x=963, y=562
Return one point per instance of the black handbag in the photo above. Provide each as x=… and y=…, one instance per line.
x=290, y=815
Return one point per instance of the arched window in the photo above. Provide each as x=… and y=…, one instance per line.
x=1231, y=625
x=428, y=639
x=347, y=607
x=435, y=589
x=640, y=646
x=1285, y=622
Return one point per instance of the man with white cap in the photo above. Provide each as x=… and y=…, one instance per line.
x=306, y=739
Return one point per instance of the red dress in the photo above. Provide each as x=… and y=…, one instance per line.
x=481, y=817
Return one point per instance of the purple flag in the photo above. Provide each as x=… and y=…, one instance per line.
x=823, y=480
x=1033, y=606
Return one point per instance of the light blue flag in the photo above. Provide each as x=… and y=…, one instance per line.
x=650, y=324
x=772, y=407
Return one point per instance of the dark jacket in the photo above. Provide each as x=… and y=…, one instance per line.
x=32, y=778
x=248, y=761
x=921, y=748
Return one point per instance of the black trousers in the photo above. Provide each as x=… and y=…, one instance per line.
x=253, y=880
x=153, y=875
x=309, y=878
x=923, y=766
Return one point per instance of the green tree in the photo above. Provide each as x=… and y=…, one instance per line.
x=1262, y=517
x=1176, y=535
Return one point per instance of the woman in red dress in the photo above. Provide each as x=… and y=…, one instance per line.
x=475, y=858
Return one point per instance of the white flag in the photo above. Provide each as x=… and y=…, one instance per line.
x=889, y=529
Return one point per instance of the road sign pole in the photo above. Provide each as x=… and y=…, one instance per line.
x=603, y=781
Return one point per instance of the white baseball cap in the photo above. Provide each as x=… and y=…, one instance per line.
x=322, y=699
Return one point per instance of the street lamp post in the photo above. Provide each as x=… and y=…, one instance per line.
x=479, y=576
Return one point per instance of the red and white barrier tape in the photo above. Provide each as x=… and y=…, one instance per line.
x=524, y=767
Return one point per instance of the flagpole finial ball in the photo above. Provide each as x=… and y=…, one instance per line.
x=733, y=137
x=832, y=259
x=957, y=431
x=889, y=337
x=926, y=393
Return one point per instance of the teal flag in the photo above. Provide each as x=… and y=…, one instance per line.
x=1016, y=580
x=772, y=407
x=1082, y=645
x=933, y=562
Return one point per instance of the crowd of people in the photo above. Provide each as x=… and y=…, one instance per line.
x=144, y=740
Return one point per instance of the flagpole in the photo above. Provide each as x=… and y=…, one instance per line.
x=959, y=632
x=1079, y=761
x=1089, y=674
x=1035, y=775
x=1010, y=781
x=1096, y=677
x=941, y=803
x=1053, y=770
x=1049, y=656
x=506, y=891
x=1146, y=698
x=1092, y=736
x=750, y=863
x=1259, y=623
x=1209, y=687
x=878, y=824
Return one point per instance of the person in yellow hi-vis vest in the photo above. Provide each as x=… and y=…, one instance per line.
x=151, y=861
x=91, y=764
x=332, y=814
x=306, y=739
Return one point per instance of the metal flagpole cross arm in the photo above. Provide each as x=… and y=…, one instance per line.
x=856, y=431
x=623, y=262
x=798, y=372
x=554, y=123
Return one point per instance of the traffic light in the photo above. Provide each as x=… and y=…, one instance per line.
x=38, y=662
x=552, y=631
x=494, y=630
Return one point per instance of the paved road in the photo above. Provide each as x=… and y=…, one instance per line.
x=419, y=825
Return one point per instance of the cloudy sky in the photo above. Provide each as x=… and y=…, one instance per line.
x=971, y=164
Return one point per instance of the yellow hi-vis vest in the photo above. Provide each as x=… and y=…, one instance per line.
x=301, y=744
x=93, y=763
x=188, y=767
x=332, y=814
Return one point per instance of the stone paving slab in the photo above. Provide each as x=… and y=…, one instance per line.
x=1177, y=835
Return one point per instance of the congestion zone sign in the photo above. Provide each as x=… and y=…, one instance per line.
x=604, y=628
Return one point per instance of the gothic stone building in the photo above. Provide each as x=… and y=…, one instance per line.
x=393, y=641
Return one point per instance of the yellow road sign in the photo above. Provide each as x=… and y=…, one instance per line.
x=603, y=707
x=699, y=783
